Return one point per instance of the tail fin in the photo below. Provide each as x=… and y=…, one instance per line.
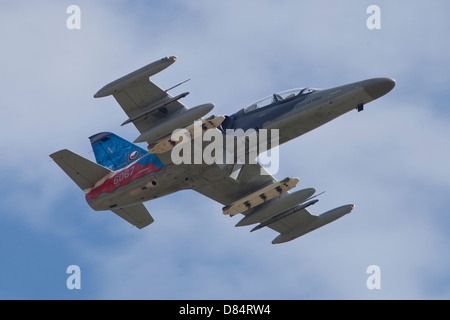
x=114, y=152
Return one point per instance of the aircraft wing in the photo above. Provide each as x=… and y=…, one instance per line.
x=145, y=103
x=261, y=198
x=293, y=221
x=216, y=183
x=137, y=95
x=226, y=190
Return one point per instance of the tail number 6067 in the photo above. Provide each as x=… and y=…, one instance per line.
x=125, y=174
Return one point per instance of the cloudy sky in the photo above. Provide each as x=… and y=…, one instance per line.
x=392, y=160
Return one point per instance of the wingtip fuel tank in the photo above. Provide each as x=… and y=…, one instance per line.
x=125, y=81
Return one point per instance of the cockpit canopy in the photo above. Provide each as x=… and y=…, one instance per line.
x=279, y=97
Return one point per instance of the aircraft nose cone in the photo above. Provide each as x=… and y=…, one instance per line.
x=378, y=87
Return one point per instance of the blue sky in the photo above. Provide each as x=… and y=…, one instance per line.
x=390, y=160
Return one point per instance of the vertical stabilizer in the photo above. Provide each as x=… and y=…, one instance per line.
x=114, y=152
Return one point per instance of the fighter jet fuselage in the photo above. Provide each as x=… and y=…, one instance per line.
x=299, y=113
x=126, y=175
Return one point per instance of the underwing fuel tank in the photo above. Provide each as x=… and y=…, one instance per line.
x=176, y=121
x=276, y=206
x=320, y=221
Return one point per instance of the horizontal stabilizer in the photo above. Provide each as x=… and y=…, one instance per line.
x=137, y=215
x=83, y=172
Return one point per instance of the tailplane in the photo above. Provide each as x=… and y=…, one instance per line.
x=114, y=152
x=83, y=172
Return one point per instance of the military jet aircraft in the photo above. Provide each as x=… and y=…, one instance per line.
x=126, y=175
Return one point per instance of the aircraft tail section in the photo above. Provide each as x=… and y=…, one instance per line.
x=83, y=172
x=114, y=152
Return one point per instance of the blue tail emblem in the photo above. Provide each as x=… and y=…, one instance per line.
x=113, y=152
